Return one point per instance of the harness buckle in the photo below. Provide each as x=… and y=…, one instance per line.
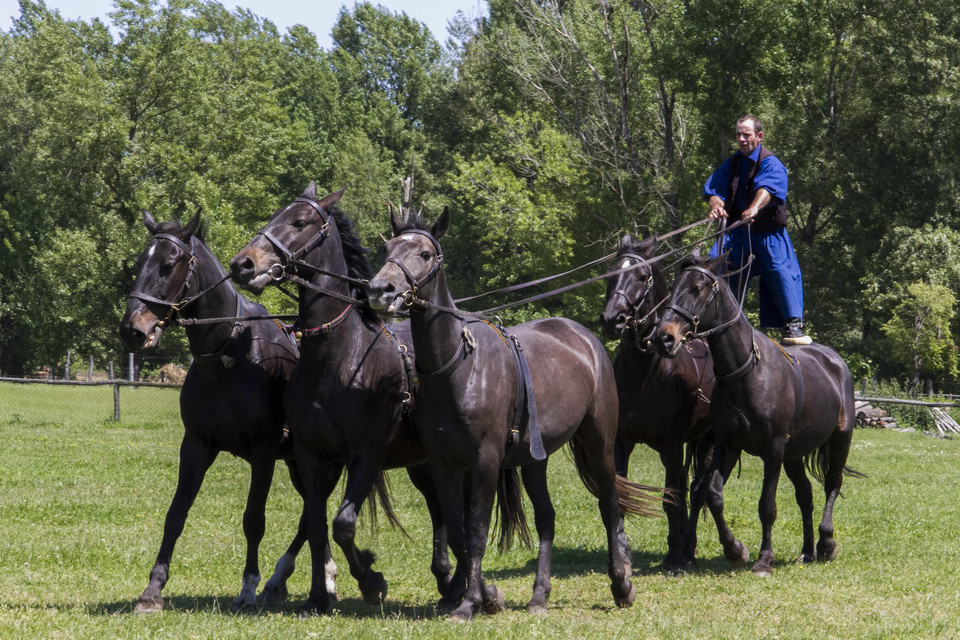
x=276, y=272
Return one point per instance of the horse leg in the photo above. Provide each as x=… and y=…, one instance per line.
x=723, y=463
x=804, y=494
x=254, y=525
x=544, y=515
x=621, y=459
x=195, y=459
x=767, y=508
x=440, y=563
x=361, y=474
x=675, y=509
x=594, y=456
x=838, y=448
x=275, y=591
x=319, y=479
x=448, y=483
x=478, y=510
x=701, y=453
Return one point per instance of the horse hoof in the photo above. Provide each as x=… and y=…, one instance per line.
x=739, y=557
x=537, y=609
x=149, y=605
x=463, y=613
x=309, y=609
x=805, y=558
x=494, y=601
x=374, y=589
x=761, y=570
x=827, y=552
x=626, y=600
x=242, y=607
x=271, y=597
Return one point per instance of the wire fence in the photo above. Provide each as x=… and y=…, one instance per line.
x=69, y=401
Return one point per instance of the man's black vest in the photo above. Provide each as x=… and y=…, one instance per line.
x=771, y=217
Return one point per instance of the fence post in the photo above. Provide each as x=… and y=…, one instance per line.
x=130, y=367
x=49, y=373
x=116, y=401
x=66, y=370
x=90, y=371
x=111, y=369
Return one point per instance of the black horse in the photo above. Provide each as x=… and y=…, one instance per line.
x=664, y=402
x=348, y=397
x=231, y=398
x=472, y=391
x=791, y=406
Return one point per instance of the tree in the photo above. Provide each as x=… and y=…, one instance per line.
x=919, y=332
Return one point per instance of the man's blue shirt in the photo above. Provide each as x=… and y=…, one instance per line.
x=771, y=175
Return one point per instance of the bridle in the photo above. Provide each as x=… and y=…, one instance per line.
x=292, y=258
x=175, y=304
x=292, y=261
x=694, y=318
x=412, y=295
x=634, y=320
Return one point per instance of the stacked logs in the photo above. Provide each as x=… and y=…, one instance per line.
x=870, y=416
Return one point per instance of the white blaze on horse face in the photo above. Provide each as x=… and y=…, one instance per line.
x=626, y=263
x=152, y=250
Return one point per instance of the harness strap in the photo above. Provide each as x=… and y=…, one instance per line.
x=743, y=369
x=410, y=379
x=537, y=451
x=523, y=396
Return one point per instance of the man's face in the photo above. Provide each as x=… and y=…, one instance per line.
x=747, y=138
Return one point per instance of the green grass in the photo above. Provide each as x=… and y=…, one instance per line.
x=82, y=506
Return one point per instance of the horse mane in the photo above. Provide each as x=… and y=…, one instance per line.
x=691, y=260
x=411, y=220
x=174, y=227
x=354, y=254
x=659, y=290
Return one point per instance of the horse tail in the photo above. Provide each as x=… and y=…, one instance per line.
x=633, y=499
x=817, y=461
x=510, y=516
x=381, y=492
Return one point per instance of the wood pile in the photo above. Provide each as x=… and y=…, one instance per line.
x=870, y=416
x=945, y=424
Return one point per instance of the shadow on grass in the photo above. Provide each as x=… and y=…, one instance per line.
x=346, y=607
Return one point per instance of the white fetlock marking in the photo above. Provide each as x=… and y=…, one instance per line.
x=248, y=594
x=330, y=571
x=284, y=569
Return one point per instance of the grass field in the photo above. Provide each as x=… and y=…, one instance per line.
x=82, y=503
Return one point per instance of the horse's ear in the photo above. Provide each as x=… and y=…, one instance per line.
x=310, y=192
x=648, y=246
x=192, y=226
x=626, y=241
x=149, y=223
x=332, y=199
x=715, y=264
x=442, y=224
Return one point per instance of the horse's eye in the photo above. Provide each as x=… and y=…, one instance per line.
x=425, y=255
x=299, y=223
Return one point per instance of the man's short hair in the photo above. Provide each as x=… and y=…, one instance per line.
x=757, y=125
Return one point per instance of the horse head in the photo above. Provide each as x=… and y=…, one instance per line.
x=290, y=235
x=164, y=275
x=634, y=291
x=413, y=260
x=695, y=304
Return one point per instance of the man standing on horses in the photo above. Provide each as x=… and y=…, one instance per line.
x=751, y=185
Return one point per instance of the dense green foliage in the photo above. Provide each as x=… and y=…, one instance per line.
x=549, y=127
